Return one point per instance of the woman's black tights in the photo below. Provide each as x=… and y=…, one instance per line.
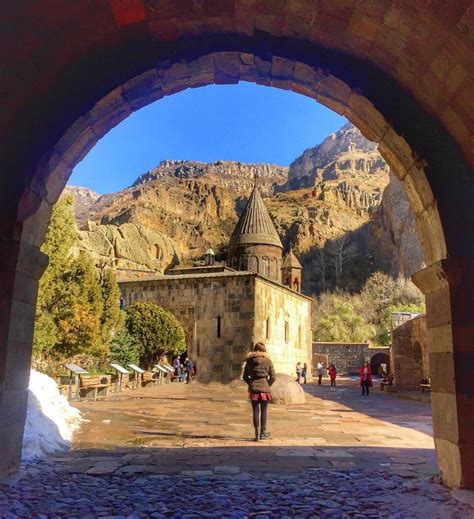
x=263, y=404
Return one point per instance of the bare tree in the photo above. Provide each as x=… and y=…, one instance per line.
x=320, y=266
x=342, y=251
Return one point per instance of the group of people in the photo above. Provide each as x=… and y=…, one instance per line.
x=331, y=371
x=301, y=373
x=365, y=376
x=184, y=371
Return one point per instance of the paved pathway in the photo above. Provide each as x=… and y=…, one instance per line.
x=186, y=451
x=336, y=428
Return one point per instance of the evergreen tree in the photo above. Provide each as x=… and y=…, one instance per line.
x=79, y=327
x=78, y=305
x=60, y=237
x=123, y=349
x=112, y=318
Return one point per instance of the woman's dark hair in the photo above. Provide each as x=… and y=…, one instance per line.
x=260, y=347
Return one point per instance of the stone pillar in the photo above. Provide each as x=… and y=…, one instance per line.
x=449, y=289
x=21, y=266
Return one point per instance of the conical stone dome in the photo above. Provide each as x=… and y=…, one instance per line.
x=291, y=261
x=255, y=245
x=255, y=225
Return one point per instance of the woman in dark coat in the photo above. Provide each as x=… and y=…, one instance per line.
x=259, y=374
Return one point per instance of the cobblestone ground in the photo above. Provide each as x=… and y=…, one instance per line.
x=186, y=451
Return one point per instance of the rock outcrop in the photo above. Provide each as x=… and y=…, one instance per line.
x=84, y=200
x=194, y=202
x=393, y=232
x=286, y=391
x=345, y=155
x=131, y=247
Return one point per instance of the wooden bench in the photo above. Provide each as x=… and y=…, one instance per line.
x=425, y=387
x=94, y=383
x=148, y=378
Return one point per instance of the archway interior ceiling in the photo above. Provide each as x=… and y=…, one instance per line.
x=77, y=103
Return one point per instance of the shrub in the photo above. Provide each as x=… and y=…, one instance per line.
x=339, y=319
x=124, y=350
x=156, y=332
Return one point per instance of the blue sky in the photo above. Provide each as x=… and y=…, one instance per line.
x=244, y=122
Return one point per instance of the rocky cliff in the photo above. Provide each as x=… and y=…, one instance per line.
x=84, y=200
x=345, y=155
x=393, y=232
x=128, y=247
x=194, y=205
x=333, y=192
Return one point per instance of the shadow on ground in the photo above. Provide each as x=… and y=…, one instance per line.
x=254, y=458
x=378, y=405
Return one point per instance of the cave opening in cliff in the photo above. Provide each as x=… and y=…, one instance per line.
x=127, y=56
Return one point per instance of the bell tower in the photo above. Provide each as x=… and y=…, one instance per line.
x=291, y=272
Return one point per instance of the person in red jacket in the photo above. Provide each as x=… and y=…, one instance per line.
x=332, y=374
x=365, y=376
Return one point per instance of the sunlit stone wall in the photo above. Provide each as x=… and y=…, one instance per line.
x=283, y=323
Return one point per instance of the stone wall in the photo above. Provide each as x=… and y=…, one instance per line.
x=410, y=353
x=346, y=356
x=283, y=323
x=199, y=302
x=224, y=314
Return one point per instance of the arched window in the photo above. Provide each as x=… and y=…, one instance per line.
x=264, y=267
x=253, y=264
x=267, y=328
x=296, y=285
x=287, y=331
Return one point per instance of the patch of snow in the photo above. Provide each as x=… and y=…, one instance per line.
x=50, y=420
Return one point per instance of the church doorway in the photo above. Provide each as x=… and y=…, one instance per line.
x=125, y=55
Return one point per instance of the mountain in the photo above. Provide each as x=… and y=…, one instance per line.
x=195, y=203
x=344, y=155
x=84, y=200
x=331, y=206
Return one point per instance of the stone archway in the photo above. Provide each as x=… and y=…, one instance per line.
x=403, y=75
x=378, y=359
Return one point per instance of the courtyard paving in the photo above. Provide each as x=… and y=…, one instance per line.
x=186, y=451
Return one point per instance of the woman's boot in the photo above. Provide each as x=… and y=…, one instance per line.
x=256, y=435
x=264, y=435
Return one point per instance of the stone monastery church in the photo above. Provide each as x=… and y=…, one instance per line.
x=226, y=308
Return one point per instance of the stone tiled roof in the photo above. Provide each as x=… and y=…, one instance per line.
x=291, y=261
x=255, y=225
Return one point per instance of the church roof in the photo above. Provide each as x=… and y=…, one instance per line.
x=255, y=225
x=291, y=261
